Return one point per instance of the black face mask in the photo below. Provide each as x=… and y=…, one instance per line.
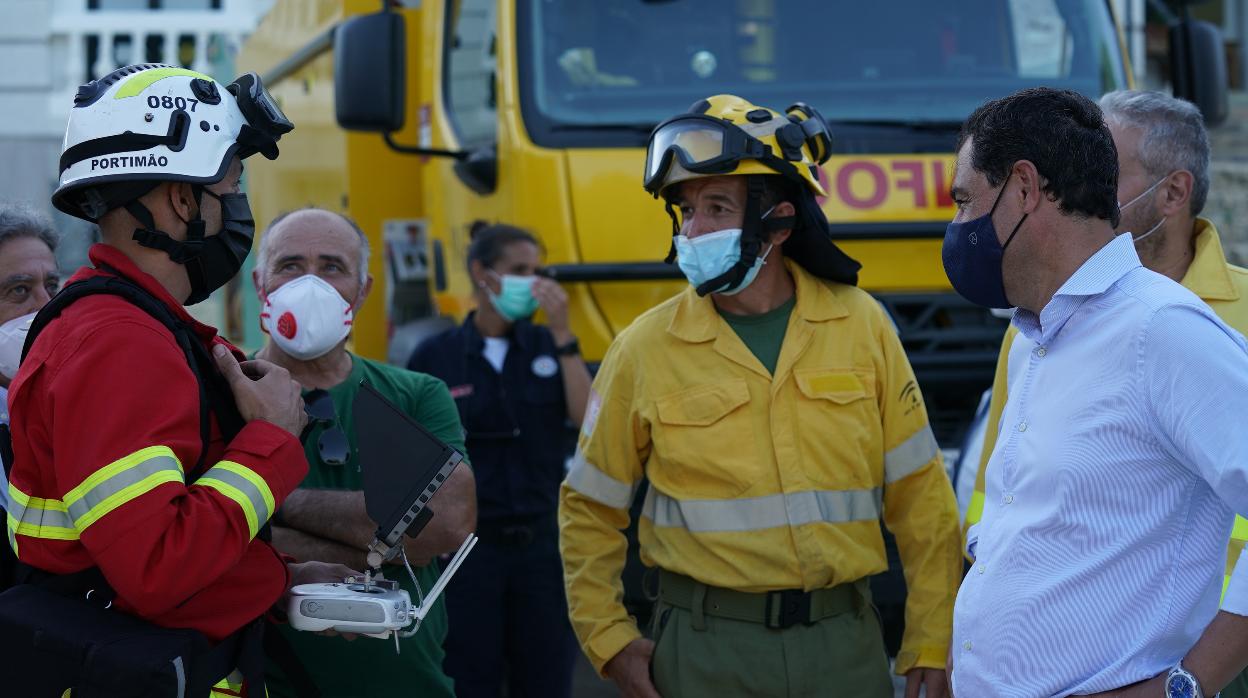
x=223, y=254
x=210, y=261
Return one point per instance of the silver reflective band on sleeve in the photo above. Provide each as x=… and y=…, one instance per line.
x=37, y=518
x=245, y=488
x=120, y=482
x=597, y=485
x=758, y=513
x=912, y=454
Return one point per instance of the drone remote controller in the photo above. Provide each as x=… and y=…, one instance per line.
x=372, y=607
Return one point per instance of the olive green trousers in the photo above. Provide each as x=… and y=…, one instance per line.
x=699, y=654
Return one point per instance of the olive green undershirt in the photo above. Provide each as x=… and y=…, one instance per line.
x=763, y=334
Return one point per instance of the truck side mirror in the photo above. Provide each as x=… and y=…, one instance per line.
x=1198, y=68
x=369, y=73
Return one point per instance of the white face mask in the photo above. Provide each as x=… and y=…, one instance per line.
x=1146, y=192
x=306, y=317
x=12, y=337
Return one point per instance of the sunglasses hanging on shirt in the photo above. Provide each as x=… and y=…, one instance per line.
x=332, y=444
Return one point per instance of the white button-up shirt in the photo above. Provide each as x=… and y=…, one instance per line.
x=1110, y=493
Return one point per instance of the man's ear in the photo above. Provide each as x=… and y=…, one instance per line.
x=181, y=198
x=366, y=289
x=256, y=283
x=1026, y=174
x=1177, y=193
x=784, y=209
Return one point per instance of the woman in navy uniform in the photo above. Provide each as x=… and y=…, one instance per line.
x=521, y=389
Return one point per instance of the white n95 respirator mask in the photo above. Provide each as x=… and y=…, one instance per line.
x=306, y=317
x=12, y=338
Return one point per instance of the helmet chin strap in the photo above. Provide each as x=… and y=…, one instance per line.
x=180, y=251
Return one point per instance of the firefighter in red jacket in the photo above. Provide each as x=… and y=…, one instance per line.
x=106, y=408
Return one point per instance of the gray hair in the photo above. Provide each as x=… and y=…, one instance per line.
x=1172, y=136
x=20, y=220
x=262, y=255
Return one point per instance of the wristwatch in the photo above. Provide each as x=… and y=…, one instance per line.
x=1181, y=684
x=570, y=349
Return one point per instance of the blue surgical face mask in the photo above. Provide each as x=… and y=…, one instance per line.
x=707, y=256
x=972, y=256
x=514, y=300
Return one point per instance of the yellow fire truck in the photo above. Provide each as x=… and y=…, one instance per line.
x=420, y=117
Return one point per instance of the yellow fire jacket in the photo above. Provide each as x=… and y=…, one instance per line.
x=760, y=483
x=1223, y=286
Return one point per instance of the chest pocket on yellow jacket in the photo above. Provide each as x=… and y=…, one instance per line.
x=705, y=442
x=841, y=433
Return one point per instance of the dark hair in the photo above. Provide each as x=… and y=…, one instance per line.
x=490, y=239
x=1063, y=134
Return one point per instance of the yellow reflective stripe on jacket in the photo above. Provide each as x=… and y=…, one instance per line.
x=37, y=518
x=120, y=482
x=758, y=513
x=912, y=454
x=1239, y=536
x=975, y=510
x=585, y=478
x=245, y=488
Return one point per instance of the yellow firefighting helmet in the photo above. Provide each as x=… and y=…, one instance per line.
x=727, y=135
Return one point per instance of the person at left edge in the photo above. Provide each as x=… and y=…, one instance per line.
x=311, y=276
x=106, y=409
x=28, y=278
x=517, y=385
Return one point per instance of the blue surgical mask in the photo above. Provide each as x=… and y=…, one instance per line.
x=972, y=256
x=707, y=256
x=515, y=300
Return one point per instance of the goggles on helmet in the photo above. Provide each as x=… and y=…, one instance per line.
x=265, y=120
x=701, y=144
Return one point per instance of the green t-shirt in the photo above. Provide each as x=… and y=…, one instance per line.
x=763, y=334
x=368, y=667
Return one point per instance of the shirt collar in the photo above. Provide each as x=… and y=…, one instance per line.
x=1208, y=276
x=102, y=254
x=473, y=341
x=1094, y=277
x=696, y=319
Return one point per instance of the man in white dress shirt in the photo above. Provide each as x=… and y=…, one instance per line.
x=1122, y=456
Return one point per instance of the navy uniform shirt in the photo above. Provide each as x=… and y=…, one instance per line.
x=516, y=420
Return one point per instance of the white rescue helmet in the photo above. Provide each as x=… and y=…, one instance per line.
x=147, y=123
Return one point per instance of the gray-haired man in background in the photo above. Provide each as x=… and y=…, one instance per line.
x=28, y=278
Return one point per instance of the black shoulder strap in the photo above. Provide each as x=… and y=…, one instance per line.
x=214, y=396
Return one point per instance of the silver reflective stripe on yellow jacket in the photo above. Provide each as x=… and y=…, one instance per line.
x=758, y=513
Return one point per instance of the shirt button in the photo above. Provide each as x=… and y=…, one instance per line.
x=967, y=645
x=1022, y=426
x=1009, y=499
x=980, y=569
x=1040, y=352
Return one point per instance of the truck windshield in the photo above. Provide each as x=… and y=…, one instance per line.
x=604, y=72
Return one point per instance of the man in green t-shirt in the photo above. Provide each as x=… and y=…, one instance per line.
x=311, y=275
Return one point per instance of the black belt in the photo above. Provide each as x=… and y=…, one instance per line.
x=775, y=609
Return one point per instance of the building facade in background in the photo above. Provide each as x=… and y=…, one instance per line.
x=50, y=47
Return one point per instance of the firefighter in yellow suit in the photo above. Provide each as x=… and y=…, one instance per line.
x=1163, y=163
x=772, y=408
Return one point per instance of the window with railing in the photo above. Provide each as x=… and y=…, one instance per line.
x=109, y=5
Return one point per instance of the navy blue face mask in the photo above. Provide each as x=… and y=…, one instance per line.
x=972, y=256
